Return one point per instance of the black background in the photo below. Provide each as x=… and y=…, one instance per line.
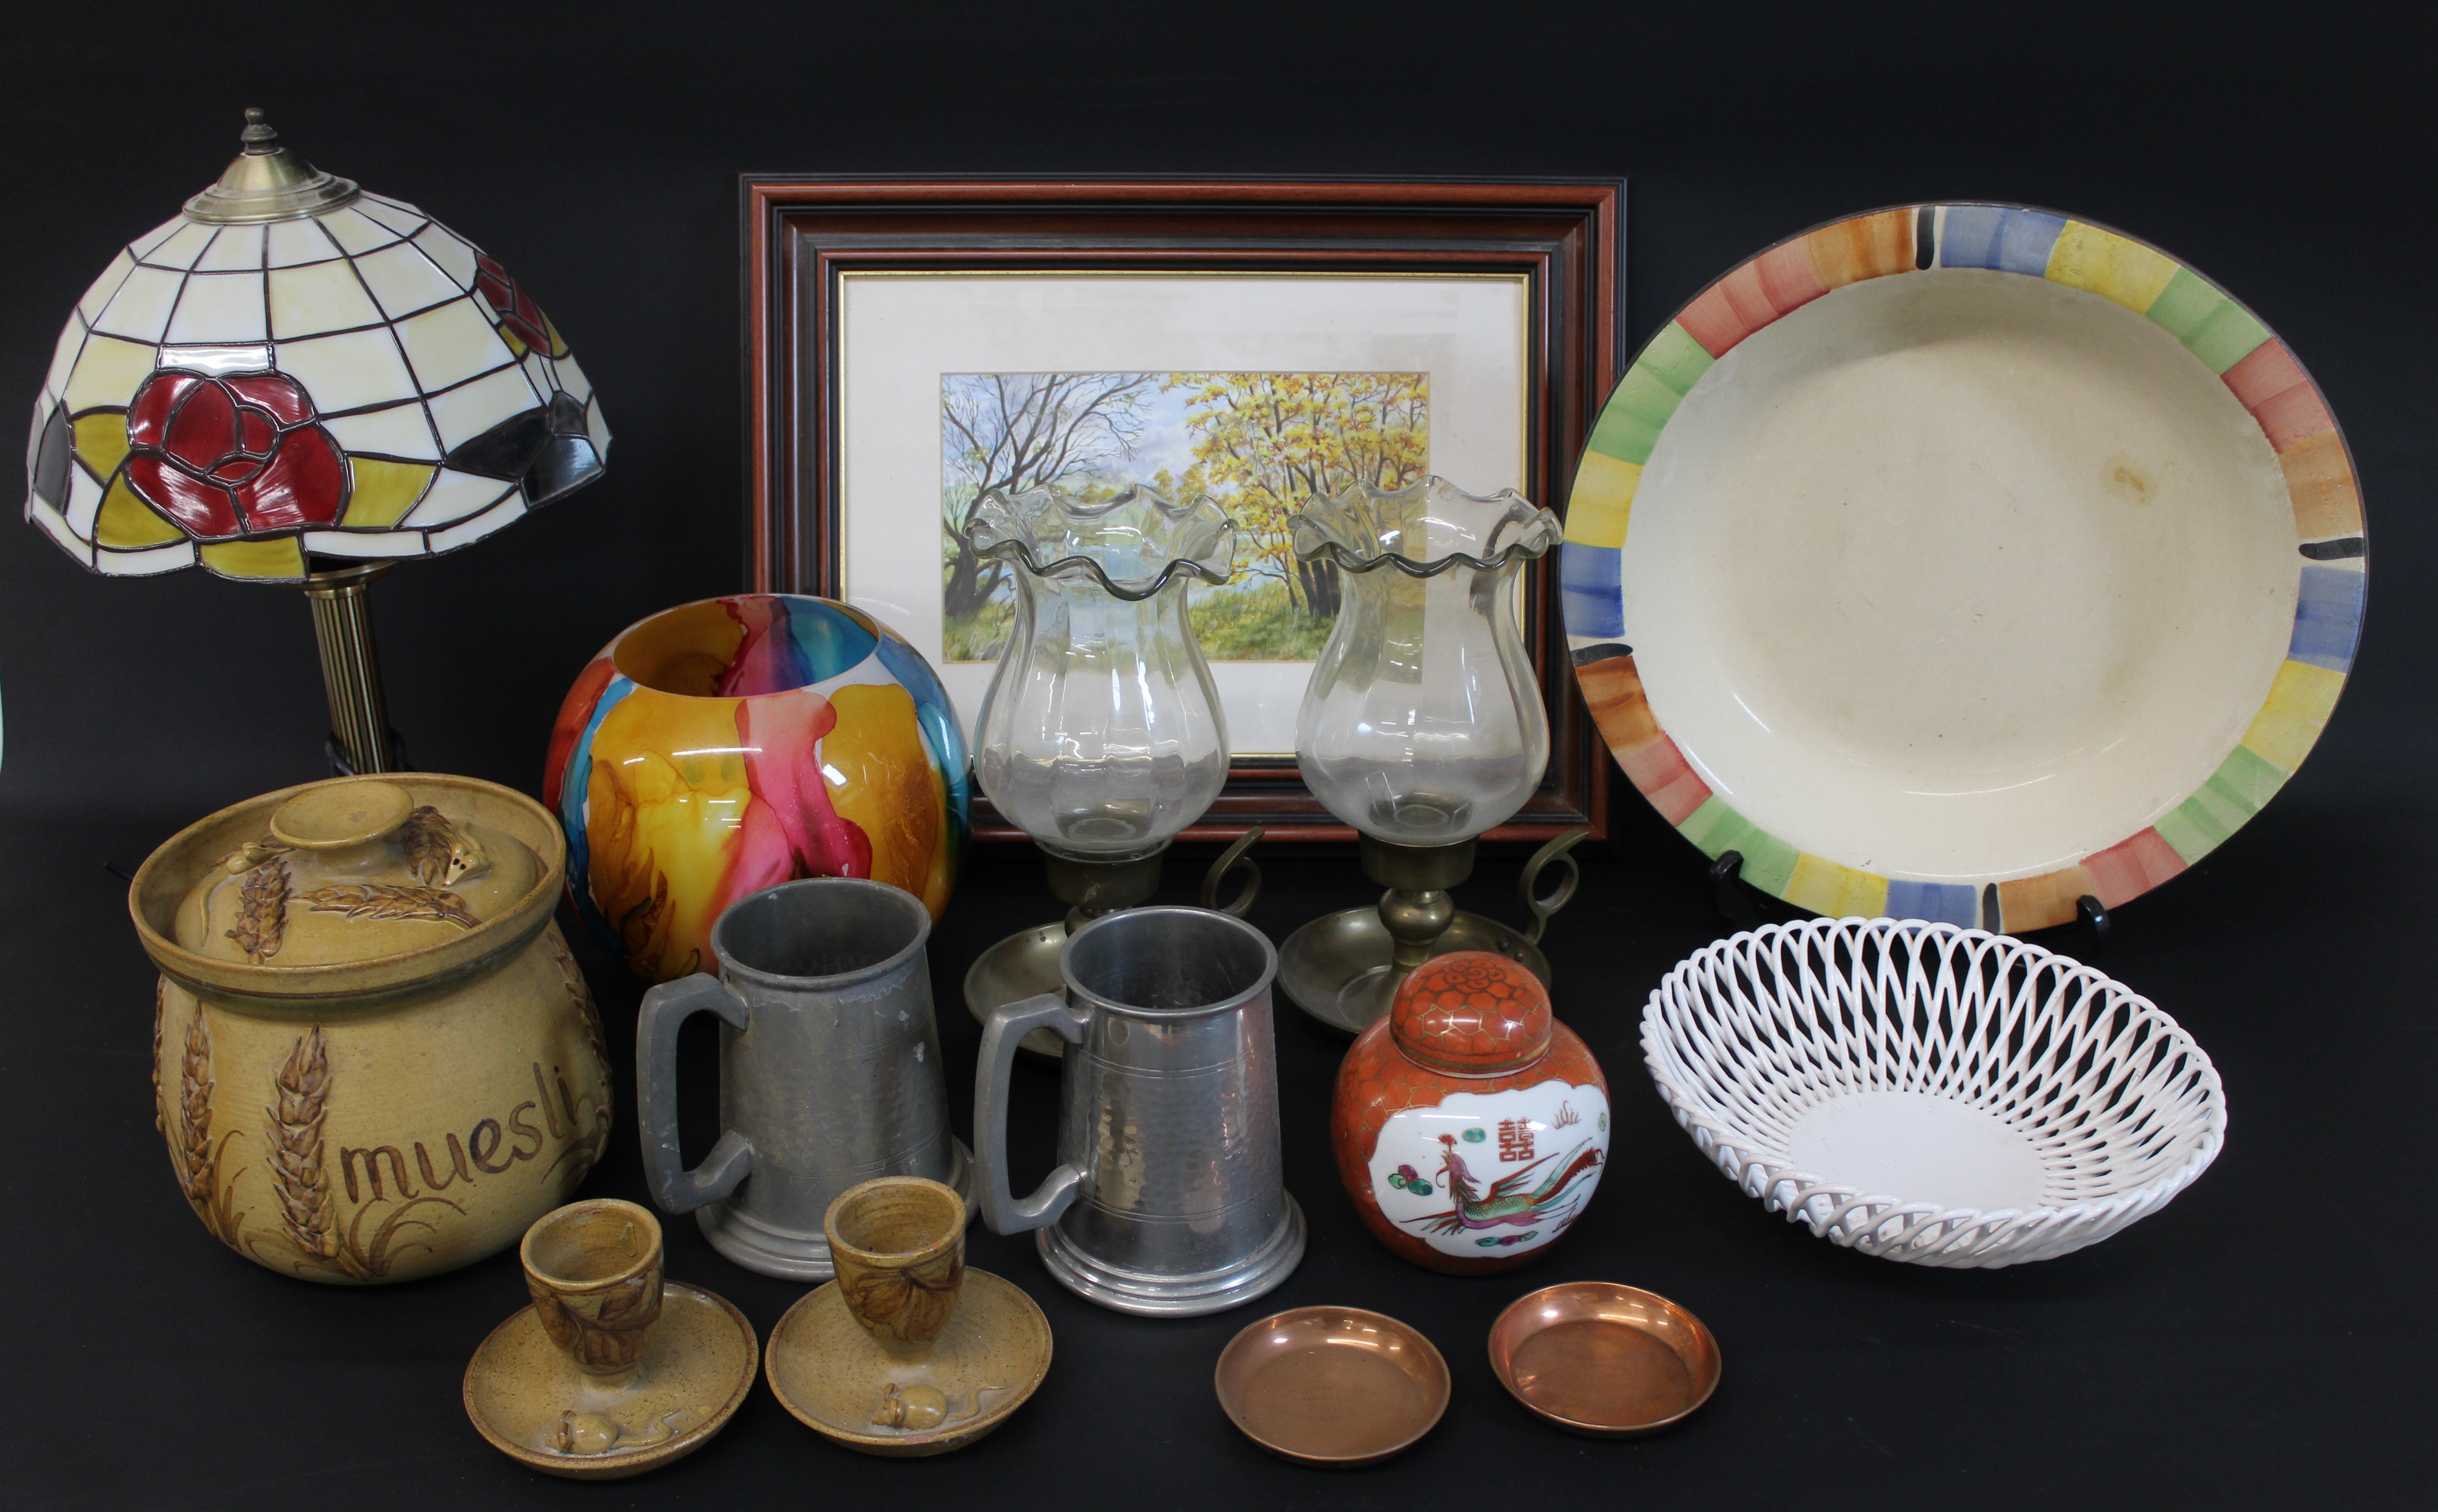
x=2265, y=1341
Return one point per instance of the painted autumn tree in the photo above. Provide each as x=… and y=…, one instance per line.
x=1275, y=441
x=1015, y=430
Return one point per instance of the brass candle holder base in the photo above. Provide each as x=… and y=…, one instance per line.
x=1343, y=968
x=1025, y=964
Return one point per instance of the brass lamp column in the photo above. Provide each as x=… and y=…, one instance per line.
x=342, y=626
x=267, y=183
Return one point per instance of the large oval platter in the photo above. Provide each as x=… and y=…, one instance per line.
x=1960, y=561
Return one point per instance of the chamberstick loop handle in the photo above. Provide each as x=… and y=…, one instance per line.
x=666, y=1007
x=1235, y=859
x=1008, y=1024
x=1541, y=906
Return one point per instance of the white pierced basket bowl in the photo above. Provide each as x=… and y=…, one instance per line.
x=1929, y=1093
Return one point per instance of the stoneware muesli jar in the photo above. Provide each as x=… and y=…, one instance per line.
x=374, y=1057
x=1470, y=1125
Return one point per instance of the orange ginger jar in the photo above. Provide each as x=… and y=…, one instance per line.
x=1470, y=1126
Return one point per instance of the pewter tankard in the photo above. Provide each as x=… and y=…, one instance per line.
x=1167, y=1199
x=829, y=1068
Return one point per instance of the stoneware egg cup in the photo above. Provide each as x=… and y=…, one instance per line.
x=613, y=1370
x=907, y=1352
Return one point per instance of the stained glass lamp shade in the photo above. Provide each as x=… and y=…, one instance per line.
x=293, y=375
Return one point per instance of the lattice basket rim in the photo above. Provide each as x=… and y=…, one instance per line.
x=1889, y=1224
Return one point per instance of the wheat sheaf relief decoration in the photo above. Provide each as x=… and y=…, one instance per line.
x=385, y=900
x=438, y=854
x=261, y=910
x=583, y=1150
x=580, y=992
x=299, y=1175
x=253, y=853
x=160, y=1011
x=194, y=1155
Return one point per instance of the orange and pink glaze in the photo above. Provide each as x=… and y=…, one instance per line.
x=725, y=746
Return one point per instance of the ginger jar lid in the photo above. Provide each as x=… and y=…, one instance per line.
x=355, y=871
x=1472, y=1013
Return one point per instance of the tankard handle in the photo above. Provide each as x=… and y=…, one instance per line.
x=665, y=1009
x=1008, y=1024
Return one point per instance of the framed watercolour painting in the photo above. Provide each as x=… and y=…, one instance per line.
x=913, y=345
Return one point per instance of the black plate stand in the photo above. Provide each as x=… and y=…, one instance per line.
x=1739, y=903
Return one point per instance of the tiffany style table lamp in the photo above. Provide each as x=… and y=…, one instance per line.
x=297, y=381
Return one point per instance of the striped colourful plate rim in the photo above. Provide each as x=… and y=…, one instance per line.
x=2257, y=367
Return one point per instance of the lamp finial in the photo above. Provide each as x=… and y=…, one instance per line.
x=268, y=181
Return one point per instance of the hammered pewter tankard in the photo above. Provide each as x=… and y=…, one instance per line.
x=829, y=1068
x=1167, y=1199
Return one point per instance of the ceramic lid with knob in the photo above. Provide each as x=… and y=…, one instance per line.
x=350, y=885
x=1471, y=1013
x=350, y=870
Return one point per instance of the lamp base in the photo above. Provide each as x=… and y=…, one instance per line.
x=1341, y=969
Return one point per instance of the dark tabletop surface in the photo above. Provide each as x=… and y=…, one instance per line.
x=2266, y=1339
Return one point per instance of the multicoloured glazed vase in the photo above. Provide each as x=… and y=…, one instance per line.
x=726, y=746
x=1470, y=1126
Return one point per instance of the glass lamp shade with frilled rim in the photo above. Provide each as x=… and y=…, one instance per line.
x=1102, y=735
x=293, y=368
x=1423, y=724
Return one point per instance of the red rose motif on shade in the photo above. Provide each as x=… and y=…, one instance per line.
x=517, y=310
x=224, y=457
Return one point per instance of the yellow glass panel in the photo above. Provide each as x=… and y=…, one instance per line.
x=107, y=373
x=282, y=559
x=384, y=491
x=2110, y=266
x=515, y=344
x=1603, y=498
x=557, y=343
x=101, y=440
x=128, y=523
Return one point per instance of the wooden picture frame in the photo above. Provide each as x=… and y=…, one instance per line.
x=1563, y=239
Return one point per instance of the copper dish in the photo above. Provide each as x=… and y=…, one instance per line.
x=1610, y=1360
x=1335, y=1386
